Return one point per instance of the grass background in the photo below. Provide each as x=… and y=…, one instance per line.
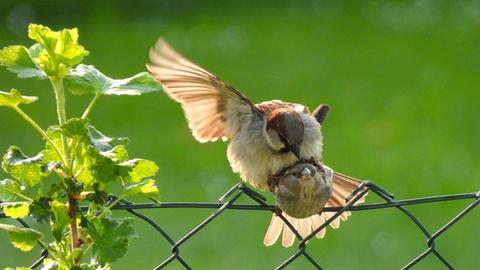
x=402, y=78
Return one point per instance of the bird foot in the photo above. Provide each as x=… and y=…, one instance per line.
x=277, y=211
x=272, y=181
x=317, y=164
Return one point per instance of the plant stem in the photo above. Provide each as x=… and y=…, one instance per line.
x=90, y=106
x=62, y=118
x=41, y=131
x=72, y=213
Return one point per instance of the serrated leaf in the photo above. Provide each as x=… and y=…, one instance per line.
x=140, y=169
x=15, y=209
x=118, y=153
x=60, y=212
x=146, y=188
x=110, y=238
x=27, y=170
x=104, y=169
x=49, y=154
x=9, y=190
x=40, y=209
x=14, y=98
x=75, y=128
x=21, y=238
x=16, y=59
x=85, y=79
x=61, y=49
x=102, y=142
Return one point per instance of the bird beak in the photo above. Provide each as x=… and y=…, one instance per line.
x=296, y=151
x=306, y=174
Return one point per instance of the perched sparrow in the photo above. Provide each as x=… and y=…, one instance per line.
x=303, y=189
x=264, y=138
x=301, y=192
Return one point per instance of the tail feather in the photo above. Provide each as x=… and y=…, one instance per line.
x=288, y=235
x=274, y=231
x=343, y=186
x=317, y=221
x=304, y=227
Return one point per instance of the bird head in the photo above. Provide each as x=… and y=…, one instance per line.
x=285, y=131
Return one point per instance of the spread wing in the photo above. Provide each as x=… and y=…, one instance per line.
x=214, y=109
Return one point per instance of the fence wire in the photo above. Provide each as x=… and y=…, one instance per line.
x=229, y=201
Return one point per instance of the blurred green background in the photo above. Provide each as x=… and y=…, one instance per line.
x=402, y=78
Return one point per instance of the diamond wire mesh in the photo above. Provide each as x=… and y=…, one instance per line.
x=228, y=201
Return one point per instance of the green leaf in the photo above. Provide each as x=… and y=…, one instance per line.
x=16, y=209
x=85, y=79
x=147, y=188
x=118, y=153
x=110, y=238
x=17, y=60
x=102, y=142
x=49, y=154
x=9, y=190
x=21, y=238
x=140, y=168
x=14, y=98
x=75, y=128
x=41, y=210
x=104, y=169
x=17, y=268
x=61, y=49
x=49, y=264
x=27, y=170
x=60, y=212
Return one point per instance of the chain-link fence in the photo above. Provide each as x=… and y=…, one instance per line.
x=229, y=201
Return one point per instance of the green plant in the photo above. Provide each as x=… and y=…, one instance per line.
x=79, y=165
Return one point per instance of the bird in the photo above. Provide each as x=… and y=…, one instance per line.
x=303, y=189
x=264, y=138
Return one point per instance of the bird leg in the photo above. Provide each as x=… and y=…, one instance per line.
x=277, y=211
x=272, y=181
x=315, y=163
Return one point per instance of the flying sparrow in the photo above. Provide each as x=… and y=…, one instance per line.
x=264, y=138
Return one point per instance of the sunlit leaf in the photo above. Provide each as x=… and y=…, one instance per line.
x=49, y=264
x=49, y=153
x=104, y=169
x=61, y=49
x=21, y=238
x=85, y=79
x=14, y=98
x=140, y=168
x=118, y=153
x=17, y=60
x=75, y=128
x=27, y=170
x=15, y=209
x=146, y=188
x=60, y=212
x=9, y=190
x=102, y=142
x=110, y=238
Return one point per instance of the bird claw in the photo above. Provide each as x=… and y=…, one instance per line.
x=272, y=181
x=277, y=211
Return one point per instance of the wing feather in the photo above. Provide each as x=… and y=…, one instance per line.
x=214, y=109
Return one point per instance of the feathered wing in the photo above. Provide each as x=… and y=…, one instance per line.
x=343, y=186
x=214, y=109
